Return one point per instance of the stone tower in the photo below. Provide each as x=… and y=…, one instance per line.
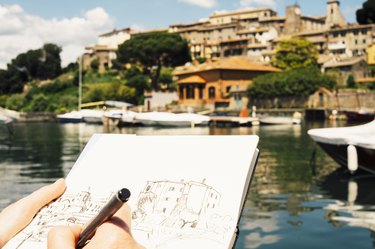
x=334, y=15
x=293, y=23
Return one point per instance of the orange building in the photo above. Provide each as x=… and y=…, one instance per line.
x=213, y=83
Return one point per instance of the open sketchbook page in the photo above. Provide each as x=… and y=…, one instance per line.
x=186, y=190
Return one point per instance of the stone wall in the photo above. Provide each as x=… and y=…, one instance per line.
x=343, y=100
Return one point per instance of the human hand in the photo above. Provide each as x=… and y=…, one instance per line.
x=19, y=214
x=113, y=234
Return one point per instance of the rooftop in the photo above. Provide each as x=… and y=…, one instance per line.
x=343, y=62
x=232, y=63
x=239, y=12
x=116, y=31
x=192, y=79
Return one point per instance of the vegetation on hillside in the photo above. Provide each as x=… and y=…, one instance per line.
x=298, y=57
x=297, y=82
x=35, y=82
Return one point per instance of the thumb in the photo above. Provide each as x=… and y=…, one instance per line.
x=63, y=237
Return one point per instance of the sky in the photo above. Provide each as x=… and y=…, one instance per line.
x=74, y=24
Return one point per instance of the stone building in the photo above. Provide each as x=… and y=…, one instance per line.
x=214, y=83
x=354, y=66
x=256, y=32
x=104, y=52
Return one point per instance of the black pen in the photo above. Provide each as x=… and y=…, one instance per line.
x=114, y=204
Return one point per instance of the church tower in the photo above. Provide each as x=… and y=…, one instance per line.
x=293, y=22
x=334, y=15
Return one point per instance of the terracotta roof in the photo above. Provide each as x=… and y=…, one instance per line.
x=192, y=79
x=343, y=62
x=366, y=80
x=232, y=63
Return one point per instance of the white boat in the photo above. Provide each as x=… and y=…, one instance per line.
x=269, y=120
x=171, y=119
x=352, y=147
x=120, y=117
x=70, y=117
x=92, y=116
x=84, y=115
x=8, y=116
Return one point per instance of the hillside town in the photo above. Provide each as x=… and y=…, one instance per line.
x=237, y=46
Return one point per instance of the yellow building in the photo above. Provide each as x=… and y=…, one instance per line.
x=370, y=51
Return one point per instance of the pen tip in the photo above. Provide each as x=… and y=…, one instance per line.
x=124, y=194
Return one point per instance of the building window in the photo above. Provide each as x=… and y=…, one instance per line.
x=228, y=89
x=148, y=188
x=190, y=92
x=364, y=41
x=211, y=92
x=200, y=92
x=181, y=89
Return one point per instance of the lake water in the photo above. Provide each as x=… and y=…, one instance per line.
x=298, y=198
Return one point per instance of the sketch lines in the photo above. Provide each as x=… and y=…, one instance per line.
x=167, y=210
x=70, y=209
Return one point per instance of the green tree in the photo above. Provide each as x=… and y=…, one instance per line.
x=140, y=83
x=297, y=82
x=15, y=102
x=39, y=103
x=294, y=53
x=95, y=65
x=43, y=63
x=153, y=51
x=166, y=79
x=350, y=82
x=50, y=62
x=366, y=15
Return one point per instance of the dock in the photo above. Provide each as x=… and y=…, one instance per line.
x=232, y=121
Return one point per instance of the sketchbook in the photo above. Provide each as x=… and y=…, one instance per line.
x=187, y=191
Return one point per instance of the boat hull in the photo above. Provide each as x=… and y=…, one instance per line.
x=279, y=121
x=366, y=157
x=69, y=120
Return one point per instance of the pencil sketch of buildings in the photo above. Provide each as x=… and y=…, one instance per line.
x=70, y=209
x=167, y=210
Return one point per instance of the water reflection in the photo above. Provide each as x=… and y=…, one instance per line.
x=354, y=201
x=298, y=198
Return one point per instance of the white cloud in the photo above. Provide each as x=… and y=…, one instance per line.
x=200, y=3
x=20, y=31
x=257, y=3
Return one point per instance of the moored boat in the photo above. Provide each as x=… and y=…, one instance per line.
x=70, y=117
x=268, y=120
x=352, y=147
x=171, y=119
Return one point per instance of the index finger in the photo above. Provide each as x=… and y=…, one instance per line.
x=18, y=215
